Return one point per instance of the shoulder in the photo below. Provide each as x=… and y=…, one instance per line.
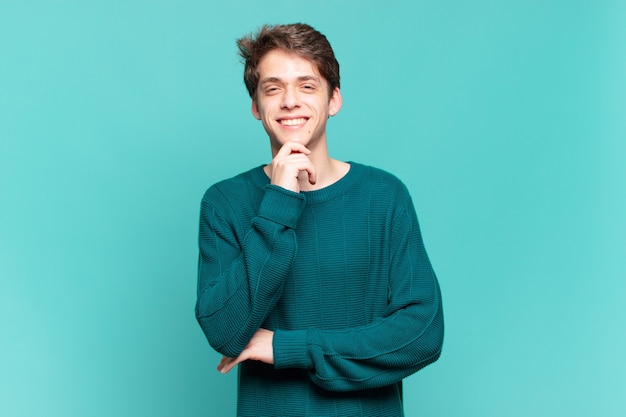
x=379, y=180
x=385, y=193
x=242, y=187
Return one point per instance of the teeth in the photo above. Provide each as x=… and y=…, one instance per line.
x=292, y=122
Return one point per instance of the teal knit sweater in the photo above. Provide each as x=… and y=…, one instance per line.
x=339, y=274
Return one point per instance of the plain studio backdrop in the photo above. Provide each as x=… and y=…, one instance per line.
x=504, y=118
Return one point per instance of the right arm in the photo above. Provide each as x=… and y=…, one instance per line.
x=241, y=275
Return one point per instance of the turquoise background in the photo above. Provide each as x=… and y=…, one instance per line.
x=504, y=118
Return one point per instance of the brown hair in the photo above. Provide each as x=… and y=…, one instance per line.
x=298, y=38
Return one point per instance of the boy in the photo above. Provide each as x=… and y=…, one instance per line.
x=312, y=276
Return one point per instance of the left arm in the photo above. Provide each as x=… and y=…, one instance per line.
x=407, y=338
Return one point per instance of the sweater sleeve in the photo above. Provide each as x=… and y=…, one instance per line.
x=241, y=273
x=408, y=337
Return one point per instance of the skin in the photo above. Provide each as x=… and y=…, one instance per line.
x=292, y=102
x=291, y=90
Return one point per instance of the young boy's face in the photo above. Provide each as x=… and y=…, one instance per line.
x=292, y=100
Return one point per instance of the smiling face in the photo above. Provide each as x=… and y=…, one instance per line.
x=293, y=100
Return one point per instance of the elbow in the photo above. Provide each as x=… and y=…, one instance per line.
x=429, y=345
x=205, y=325
x=434, y=353
x=439, y=328
x=223, y=340
x=434, y=345
x=435, y=333
x=218, y=339
x=428, y=352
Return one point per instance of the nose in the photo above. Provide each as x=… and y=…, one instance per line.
x=290, y=99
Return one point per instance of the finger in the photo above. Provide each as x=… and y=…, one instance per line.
x=302, y=164
x=312, y=175
x=293, y=147
x=230, y=363
x=225, y=364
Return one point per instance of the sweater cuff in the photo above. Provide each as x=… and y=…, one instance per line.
x=281, y=206
x=290, y=349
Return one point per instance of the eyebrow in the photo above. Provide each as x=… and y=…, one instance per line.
x=301, y=78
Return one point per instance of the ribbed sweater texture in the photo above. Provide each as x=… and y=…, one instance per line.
x=340, y=275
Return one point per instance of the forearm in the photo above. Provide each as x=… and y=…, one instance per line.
x=406, y=336
x=241, y=279
x=378, y=354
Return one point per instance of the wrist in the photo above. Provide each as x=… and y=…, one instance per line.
x=290, y=349
x=281, y=205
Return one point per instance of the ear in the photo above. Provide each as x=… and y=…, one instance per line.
x=255, y=110
x=335, y=102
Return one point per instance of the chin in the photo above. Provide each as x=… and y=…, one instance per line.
x=296, y=139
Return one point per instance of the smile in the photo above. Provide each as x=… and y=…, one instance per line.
x=292, y=122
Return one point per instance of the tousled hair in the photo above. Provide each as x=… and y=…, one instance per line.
x=298, y=38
